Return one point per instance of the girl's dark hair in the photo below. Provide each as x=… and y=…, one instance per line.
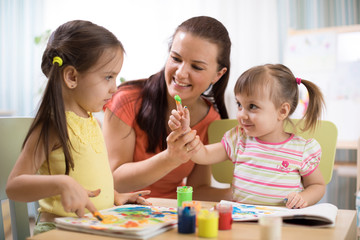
x=152, y=114
x=282, y=86
x=79, y=44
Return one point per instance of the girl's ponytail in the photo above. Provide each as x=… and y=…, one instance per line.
x=315, y=106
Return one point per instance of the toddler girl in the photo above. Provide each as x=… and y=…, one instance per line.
x=271, y=166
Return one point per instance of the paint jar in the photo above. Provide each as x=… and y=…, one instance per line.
x=208, y=222
x=186, y=219
x=184, y=194
x=270, y=227
x=194, y=204
x=225, y=215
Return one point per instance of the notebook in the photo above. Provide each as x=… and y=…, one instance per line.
x=322, y=214
x=126, y=221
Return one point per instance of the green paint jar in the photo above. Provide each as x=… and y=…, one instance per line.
x=184, y=193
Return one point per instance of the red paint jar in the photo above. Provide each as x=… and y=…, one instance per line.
x=225, y=216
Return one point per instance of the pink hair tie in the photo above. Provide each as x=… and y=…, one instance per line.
x=298, y=81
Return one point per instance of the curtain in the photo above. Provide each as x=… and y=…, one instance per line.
x=313, y=14
x=20, y=22
x=309, y=14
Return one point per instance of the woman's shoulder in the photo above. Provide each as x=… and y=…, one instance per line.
x=125, y=95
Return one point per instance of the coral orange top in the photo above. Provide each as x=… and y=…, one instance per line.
x=125, y=105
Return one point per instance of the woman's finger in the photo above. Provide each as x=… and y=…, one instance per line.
x=194, y=145
x=174, y=135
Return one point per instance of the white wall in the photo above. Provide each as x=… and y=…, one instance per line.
x=144, y=27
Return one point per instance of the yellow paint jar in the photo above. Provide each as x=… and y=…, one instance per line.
x=208, y=223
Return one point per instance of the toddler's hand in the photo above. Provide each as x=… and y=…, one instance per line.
x=295, y=200
x=180, y=118
x=135, y=197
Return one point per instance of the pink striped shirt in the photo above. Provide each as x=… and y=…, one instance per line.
x=265, y=173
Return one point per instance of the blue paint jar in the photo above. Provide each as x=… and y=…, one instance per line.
x=186, y=219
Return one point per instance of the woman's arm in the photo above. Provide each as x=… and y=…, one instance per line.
x=128, y=175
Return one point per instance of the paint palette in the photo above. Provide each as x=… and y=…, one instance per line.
x=127, y=221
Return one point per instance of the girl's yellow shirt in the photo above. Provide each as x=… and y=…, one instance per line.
x=91, y=164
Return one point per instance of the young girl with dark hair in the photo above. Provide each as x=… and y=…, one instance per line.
x=64, y=162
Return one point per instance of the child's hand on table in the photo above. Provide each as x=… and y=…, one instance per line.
x=134, y=197
x=294, y=200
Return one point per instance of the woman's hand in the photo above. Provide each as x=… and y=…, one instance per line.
x=135, y=197
x=182, y=146
x=182, y=141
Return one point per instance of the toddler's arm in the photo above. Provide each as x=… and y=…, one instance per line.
x=179, y=123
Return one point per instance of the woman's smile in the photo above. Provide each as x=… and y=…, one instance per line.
x=180, y=84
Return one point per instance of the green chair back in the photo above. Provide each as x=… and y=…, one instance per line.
x=13, y=132
x=325, y=134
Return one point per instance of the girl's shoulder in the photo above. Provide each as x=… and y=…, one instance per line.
x=310, y=144
x=236, y=133
x=38, y=135
x=300, y=139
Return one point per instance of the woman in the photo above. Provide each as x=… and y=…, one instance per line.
x=135, y=123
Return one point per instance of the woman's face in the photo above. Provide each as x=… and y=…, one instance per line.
x=191, y=66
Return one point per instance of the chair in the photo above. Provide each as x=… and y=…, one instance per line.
x=13, y=132
x=325, y=134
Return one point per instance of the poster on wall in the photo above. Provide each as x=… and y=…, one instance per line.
x=330, y=59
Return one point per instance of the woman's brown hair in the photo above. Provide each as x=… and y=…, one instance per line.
x=152, y=114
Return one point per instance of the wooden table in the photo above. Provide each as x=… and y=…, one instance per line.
x=345, y=228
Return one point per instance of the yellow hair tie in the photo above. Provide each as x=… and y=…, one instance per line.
x=58, y=60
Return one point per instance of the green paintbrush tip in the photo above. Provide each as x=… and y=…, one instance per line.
x=177, y=98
